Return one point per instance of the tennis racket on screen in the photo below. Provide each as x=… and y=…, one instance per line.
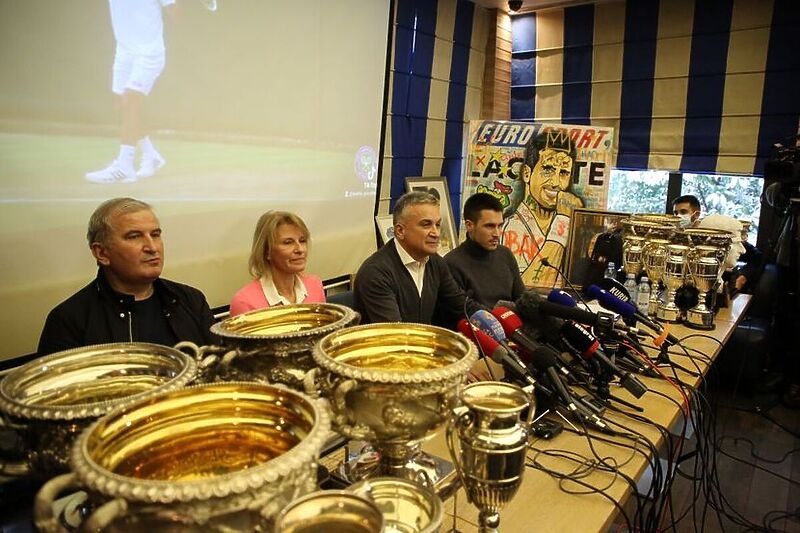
x=211, y=5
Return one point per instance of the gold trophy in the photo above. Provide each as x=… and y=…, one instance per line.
x=673, y=276
x=271, y=345
x=392, y=385
x=50, y=400
x=212, y=457
x=488, y=442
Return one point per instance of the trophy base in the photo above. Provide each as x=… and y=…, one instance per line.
x=669, y=314
x=362, y=462
x=700, y=319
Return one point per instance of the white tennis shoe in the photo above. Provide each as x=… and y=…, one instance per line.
x=149, y=165
x=113, y=173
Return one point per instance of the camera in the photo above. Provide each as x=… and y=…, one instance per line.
x=514, y=5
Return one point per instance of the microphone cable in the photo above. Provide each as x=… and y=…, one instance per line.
x=547, y=263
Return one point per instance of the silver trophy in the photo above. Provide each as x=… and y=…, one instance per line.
x=632, y=254
x=488, y=441
x=392, y=385
x=674, y=275
x=654, y=258
x=705, y=264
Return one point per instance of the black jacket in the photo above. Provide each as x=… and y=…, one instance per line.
x=97, y=314
x=385, y=292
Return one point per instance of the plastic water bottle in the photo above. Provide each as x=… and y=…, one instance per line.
x=643, y=295
x=611, y=270
x=630, y=286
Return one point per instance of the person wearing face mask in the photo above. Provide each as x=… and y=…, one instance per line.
x=277, y=263
x=687, y=207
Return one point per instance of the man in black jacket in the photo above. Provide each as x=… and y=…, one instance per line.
x=406, y=280
x=481, y=265
x=128, y=301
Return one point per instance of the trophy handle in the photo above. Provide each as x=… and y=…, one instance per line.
x=43, y=515
x=458, y=418
x=105, y=514
x=310, y=382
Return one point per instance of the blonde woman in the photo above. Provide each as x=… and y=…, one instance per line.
x=277, y=263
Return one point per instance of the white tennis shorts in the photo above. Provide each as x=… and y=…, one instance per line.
x=136, y=72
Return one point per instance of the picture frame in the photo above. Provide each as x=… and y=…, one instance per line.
x=385, y=227
x=437, y=186
x=583, y=266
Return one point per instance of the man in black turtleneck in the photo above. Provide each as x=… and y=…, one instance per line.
x=481, y=265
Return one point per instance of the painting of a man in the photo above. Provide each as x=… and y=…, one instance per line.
x=539, y=228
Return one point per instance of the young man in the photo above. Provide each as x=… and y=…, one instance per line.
x=688, y=208
x=128, y=301
x=406, y=280
x=481, y=265
x=138, y=62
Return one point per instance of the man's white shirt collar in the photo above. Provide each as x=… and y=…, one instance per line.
x=414, y=267
x=274, y=297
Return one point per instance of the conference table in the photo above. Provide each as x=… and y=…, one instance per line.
x=540, y=505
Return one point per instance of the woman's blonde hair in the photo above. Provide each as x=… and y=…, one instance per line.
x=264, y=239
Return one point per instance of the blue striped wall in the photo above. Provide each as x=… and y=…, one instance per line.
x=689, y=85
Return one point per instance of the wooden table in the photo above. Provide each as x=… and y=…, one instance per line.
x=540, y=505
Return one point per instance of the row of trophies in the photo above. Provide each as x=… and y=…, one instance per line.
x=657, y=246
x=228, y=438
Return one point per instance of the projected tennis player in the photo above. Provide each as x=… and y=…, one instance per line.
x=138, y=62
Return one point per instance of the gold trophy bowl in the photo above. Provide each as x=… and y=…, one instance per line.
x=393, y=385
x=50, y=400
x=273, y=345
x=207, y=457
x=647, y=229
x=659, y=218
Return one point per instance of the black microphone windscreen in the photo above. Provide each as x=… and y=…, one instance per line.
x=686, y=297
x=541, y=327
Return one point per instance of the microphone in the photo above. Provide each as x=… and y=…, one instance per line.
x=531, y=306
x=486, y=322
x=588, y=346
x=499, y=354
x=616, y=288
x=627, y=310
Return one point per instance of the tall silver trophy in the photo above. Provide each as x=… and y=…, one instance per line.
x=632, y=254
x=674, y=275
x=705, y=264
x=488, y=440
x=654, y=258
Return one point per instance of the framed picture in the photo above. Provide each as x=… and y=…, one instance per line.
x=594, y=240
x=385, y=227
x=437, y=186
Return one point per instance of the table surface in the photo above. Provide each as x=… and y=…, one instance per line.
x=541, y=505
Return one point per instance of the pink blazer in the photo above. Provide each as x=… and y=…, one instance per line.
x=251, y=296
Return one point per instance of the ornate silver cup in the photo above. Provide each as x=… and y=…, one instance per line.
x=674, y=275
x=654, y=257
x=213, y=457
x=632, y=254
x=331, y=511
x=273, y=345
x=392, y=385
x=488, y=442
x=406, y=505
x=53, y=398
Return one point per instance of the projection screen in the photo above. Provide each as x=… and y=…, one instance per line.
x=261, y=104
